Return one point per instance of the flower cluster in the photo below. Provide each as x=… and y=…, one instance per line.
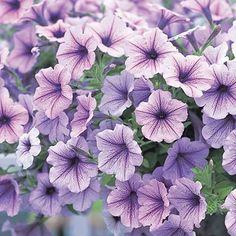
x=132, y=103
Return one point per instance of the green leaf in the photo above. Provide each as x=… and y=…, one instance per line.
x=97, y=206
x=72, y=210
x=108, y=179
x=224, y=188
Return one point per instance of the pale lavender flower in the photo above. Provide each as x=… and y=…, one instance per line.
x=182, y=157
x=119, y=152
x=56, y=128
x=45, y=198
x=146, y=53
x=185, y=196
x=54, y=93
x=81, y=201
x=71, y=166
x=83, y=115
x=154, y=204
x=9, y=195
x=161, y=117
x=123, y=201
x=116, y=90
x=28, y=148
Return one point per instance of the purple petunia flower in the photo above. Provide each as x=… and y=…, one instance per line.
x=230, y=219
x=25, y=52
x=146, y=53
x=12, y=10
x=9, y=195
x=185, y=196
x=116, y=91
x=27, y=102
x=77, y=52
x=111, y=34
x=141, y=231
x=33, y=229
x=54, y=93
x=45, y=198
x=142, y=90
x=119, y=152
x=12, y=118
x=161, y=117
x=28, y=147
x=83, y=200
x=191, y=73
x=71, y=167
x=83, y=115
x=154, y=204
x=175, y=226
x=216, y=131
x=229, y=156
x=54, y=33
x=219, y=100
x=216, y=55
x=56, y=128
x=182, y=157
x=123, y=201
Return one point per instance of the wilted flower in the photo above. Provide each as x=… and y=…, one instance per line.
x=154, y=204
x=123, y=201
x=12, y=118
x=83, y=115
x=29, y=147
x=185, y=196
x=119, y=152
x=9, y=195
x=54, y=93
x=161, y=117
x=191, y=73
x=44, y=198
x=24, y=54
x=77, y=52
x=111, y=34
x=116, y=91
x=146, y=53
x=71, y=166
x=182, y=157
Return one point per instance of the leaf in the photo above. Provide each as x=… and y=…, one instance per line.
x=72, y=210
x=97, y=206
x=224, y=188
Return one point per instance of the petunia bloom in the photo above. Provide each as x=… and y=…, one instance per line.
x=112, y=35
x=216, y=131
x=77, y=52
x=182, y=157
x=185, y=196
x=44, y=198
x=123, y=201
x=83, y=200
x=28, y=147
x=54, y=93
x=25, y=52
x=229, y=156
x=56, y=128
x=154, y=204
x=119, y=152
x=175, y=226
x=71, y=167
x=12, y=118
x=12, y=10
x=191, y=73
x=54, y=33
x=230, y=219
x=143, y=88
x=219, y=100
x=161, y=117
x=83, y=115
x=146, y=53
x=9, y=195
x=116, y=90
